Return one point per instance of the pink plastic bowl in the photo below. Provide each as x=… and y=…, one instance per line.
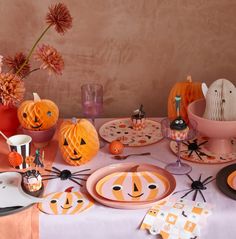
x=41, y=138
x=218, y=132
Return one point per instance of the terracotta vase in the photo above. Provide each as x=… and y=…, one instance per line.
x=9, y=122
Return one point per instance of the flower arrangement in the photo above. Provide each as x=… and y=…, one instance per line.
x=18, y=67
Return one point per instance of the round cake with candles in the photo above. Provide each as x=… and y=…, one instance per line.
x=138, y=119
x=32, y=182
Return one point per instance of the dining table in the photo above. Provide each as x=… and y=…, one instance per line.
x=101, y=221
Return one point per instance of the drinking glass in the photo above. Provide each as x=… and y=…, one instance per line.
x=92, y=100
x=178, y=167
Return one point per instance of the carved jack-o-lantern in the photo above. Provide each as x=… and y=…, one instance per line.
x=78, y=141
x=132, y=186
x=220, y=101
x=67, y=202
x=38, y=114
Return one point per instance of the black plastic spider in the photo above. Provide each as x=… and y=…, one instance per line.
x=66, y=174
x=197, y=186
x=195, y=147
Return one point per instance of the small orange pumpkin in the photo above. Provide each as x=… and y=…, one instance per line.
x=67, y=202
x=188, y=91
x=78, y=141
x=15, y=159
x=116, y=147
x=38, y=114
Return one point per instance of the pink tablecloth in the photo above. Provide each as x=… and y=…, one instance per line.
x=106, y=223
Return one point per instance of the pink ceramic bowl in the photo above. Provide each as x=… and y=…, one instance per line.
x=218, y=132
x=41, y=138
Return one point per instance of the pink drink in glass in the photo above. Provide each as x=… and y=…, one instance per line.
x=92, y=109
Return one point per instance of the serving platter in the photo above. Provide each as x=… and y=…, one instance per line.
x=12, y=197
x=121, y=129
x=195, y=151
x=101, y=173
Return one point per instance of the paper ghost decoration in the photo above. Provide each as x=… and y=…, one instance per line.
x=66, y=202
x=221, y=101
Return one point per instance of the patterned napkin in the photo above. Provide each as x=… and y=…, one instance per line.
x=177, y=218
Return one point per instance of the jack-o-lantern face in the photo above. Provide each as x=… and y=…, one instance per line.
x=65, y=203
x=78, y=141
x=38, y=114
x=133, y=186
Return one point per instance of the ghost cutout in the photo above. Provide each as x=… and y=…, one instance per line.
x=220, y=101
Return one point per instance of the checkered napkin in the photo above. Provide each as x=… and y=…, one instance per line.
x=177, y=218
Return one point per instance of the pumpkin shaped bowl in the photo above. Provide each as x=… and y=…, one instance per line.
x=219, y=133
x=41, y=138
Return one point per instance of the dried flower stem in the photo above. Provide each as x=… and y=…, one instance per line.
x=36, y=69
x=32, y=49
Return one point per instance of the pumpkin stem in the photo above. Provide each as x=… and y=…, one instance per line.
x=74, y=120
x=69, y=190
x=36, y=97
x=189, y=79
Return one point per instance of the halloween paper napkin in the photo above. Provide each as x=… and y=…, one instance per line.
x=177, y=218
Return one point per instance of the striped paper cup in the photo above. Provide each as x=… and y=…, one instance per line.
x=20, y=143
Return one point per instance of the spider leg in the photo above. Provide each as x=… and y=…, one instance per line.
x=56, y=169
x=202, y=153
x=75, y=182
x=209, y=181
x=51, y=171
x=195, y=195
x=81, y=174
x=181, y=191
x=49, y=175
x=79, y=178
x=204, y=142
x=49, y=178
x=200, y=177
x=190, y=177
x=82, y=170
x=185, y=150
x=206, y=179
x=202, y=196
x=186, y=143
x=190, y=153
x=187, y=193
x=199, y=156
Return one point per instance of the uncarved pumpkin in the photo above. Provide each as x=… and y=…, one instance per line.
x=188, y=91
x=38, y=114
x=15, y=159
x=132, y=186
x=78, y=141
x=116, y=147
x=67, y=202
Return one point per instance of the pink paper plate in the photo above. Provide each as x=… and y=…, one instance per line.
x=231, y=180
x=125, y=167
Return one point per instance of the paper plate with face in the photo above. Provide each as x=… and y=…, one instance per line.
x=133, y=186
x=12, y=196
x=66, y=202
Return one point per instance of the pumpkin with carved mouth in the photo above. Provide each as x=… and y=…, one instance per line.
x=39, y=114
x=78, y=141
x=67, y=202
x=132, y=186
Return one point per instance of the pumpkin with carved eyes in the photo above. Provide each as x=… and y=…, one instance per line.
x=39, y=114
x=67, y=202
x=78, y=141
x=133, y=186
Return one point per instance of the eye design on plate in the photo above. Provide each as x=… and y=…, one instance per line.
x=117, y=187
x=53, y=201
x=152, y=186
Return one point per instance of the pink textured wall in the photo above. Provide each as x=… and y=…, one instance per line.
x=136, y=48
